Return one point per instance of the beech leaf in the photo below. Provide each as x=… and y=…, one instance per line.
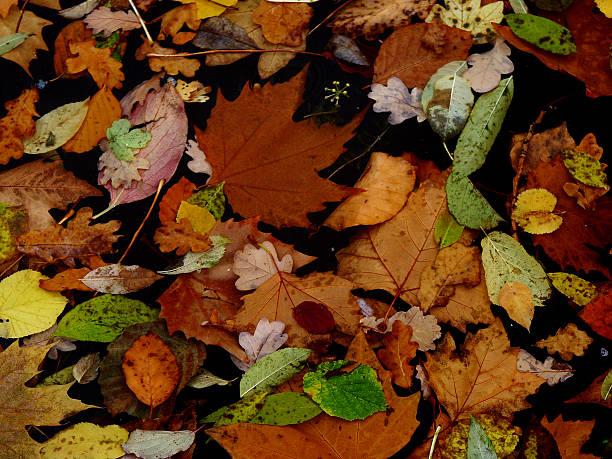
x=542, y=32
x=158, y=444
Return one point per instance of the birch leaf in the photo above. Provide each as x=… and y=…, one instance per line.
x=488, y=67
x=158, y=444
x=533, y=211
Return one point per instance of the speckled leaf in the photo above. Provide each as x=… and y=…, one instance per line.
x=207, y=379
x=286, y=408
x=542, y=32
x=447, y=230
x=482, y=128
x=86, y=440
x=241, y=411
x=585, y=168
x=479, y=446
x=13, y=223
x=103, y=318
x=534, y=211
x=119, y=279
x=468, y=206
x=452, y=68
x=450, y=105
x=211, y=198
x=577, y=289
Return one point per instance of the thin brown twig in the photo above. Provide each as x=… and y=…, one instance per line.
x=244, y=51
x=11, y=265
x=21, y=12
x=329, y=16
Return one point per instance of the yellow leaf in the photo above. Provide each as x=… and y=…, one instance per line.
x=25, y=308
x=469, y=15
x=533, y=211
x=605, y=6
x=208, y=8
x=87, y=440
x=200, y=218
x=517, y=300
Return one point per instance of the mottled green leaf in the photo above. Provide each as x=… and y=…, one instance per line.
x=479, y=446
x=211, y=198
x=505, y=260
x=585, y=168
x=64, y=376
x=449, y=108
x=122, y=140
x=194, y=261
x=286, y=408
x=243, y=410
x=273, y=369
x=13, y=223
x=542, y=32
x=580, y=291
x=606, y=387
x=468, y=206
x=103, y=318
x=447, y=231
x=350, y=396
x=12, y=41
x=482, y=128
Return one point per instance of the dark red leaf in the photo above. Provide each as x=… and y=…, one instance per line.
x=314, y=317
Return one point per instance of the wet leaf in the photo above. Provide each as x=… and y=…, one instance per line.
x=286, y=408
x=468, y=206
x=567, y=342
x=119, y=279
x=397, y=99
x=450, y=105
x=447, y=230
x=585, y=168
x=487, y=68
x=12, y=41
x=399, y=350
x=533, y=211
x=314, y=317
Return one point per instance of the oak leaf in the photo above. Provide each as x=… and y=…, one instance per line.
x=464, y=384
x=386, y=182
x=414, y=53
x=487, y=68
x=262, y=149
x=598, y=313
x=77, y=241
x=106, y=21
x=23, y=405
x=397, y=99
x=172, y=65
x=378, y=436
x=567, y=342
x=175, y=19
x=255, y=265
x=181, y=237
x=370, y=19
x=282, y=23
x=267, y=338
x=570, y=436
x=30, y=24
x=398, y=352
x=17, y=124
x=104, y=70
x=553, y=371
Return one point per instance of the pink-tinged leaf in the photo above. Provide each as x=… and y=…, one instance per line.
x=107, y=21
x=314, y=317
x=163, y=115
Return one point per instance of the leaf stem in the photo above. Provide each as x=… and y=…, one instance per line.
x=433, y=442
x=450, y=155
x=21, y=15
x=144, y=26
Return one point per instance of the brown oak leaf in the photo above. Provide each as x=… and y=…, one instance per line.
x=17, y=124
x=172, y=65
x=570, y=436
x=104, y=70
x=77, y=241
x=175, y=19
x=282, y=23
x=254, y=160
x=181, y=237
x=397, y=354
x=567, y=342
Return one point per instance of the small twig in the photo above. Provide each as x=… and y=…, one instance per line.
x=450, y=155
x=159, y=187
x=310, y=115
x=142, y=23
x=329, y=16
x=69, y=214
x=11, y=265
x=244, y=51
x=433, y=441
x=21, y=15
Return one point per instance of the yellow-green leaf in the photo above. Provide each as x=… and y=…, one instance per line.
x=533, y=211
x=209, y=8
x=585, y=168
x=87, y=440
x=200, y=218
x=580, y=291
x=25, y=308
x=469, y=15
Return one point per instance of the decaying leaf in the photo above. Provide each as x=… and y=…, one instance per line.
x=171, y=65
x=105, y=70
x=570, y=436
x=517, y=300
x=488, y=67
x=469, y=15
x=175, y=19
x=398, y=352
x=17, y=124
x=397, y=99
x=568, y=342
x=158, y=444
x=597, y=314
x=282, y=23
x=577, y=289
x=182, y=238
x=119, y=279
x=198, y=163
x=542, y=32
x=83, y=438
x=551, y=370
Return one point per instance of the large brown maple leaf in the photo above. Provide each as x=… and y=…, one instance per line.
x=268, y=162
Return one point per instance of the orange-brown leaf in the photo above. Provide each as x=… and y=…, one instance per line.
x=592, y=394
x=97, y=61
x=5, y=6
x=598, y=313
x=170, y=203
x=17, y=124
x=398, y=352
x=75, y=32
x=570, y=436
x=181, y=237
x=103, y=109
x=67, y=280
x=568, y=342
x=151, y=370
x=282, y=23
x=254, y=160
x=172, y=65
x=175, y=19
x=413, y=53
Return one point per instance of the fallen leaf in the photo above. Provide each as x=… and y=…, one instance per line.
x=549, y=369
x=479, y=445
x=151, y=370
x=468, y=205
x=487, y=68
x=139, y=93
x=200, y=219
x=263, y=148
x=207, y=379
x=13, y=223
x=450, y=105
x=267, y=338
x=595, y=393
x=533, y=211
x=193, y=92
x=542, y=32
x=398, y=352
x=122, y=139
x=158, y=444
x=221, y=33
x=79, y=10
x=580, y=291
x=106, y=21
x=6, y=6
x=77, y=241
x=119, y=279
x=17, y=124
x=471, y=16
x=196, y=261
x=397, y=99
x=171, y=65
x=413, y=53
x=314, y=317
x=209, y=8
x=182, y=238
x=282, y=23
x=26, y=405
x=255, y=265
x=346, y=49
x=83, y=438
x=286, y=408
x=543, y=146
x=568, y=342
x=86, y=369
x=371, y=19
x=447, y=230
x=461, y=383
x=198, y=163
x=585, y=168
x=597, y=314
x=104, y=70
x=175, y=19
x=74, y=32
x=570, y=436
x=517, y=300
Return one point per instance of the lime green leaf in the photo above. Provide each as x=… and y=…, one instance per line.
x=505, y=260
x=482, y=128
x=25, y=308
x=606, y=387
x=468, y=206
x=479, y=446
x=447, y=231
x=194, y=261
x=104, y=318
x=350, y=396
x=208, y=379
x=122, y=140
x=286, y=408
x=241, y=411
x=542, y=32
x=585, y=168
x=580, y=291
x=13, y=223
x=56, y=127
x=12, y=41
x=273, y=369
x=86, y=440
x=450, y=106
x=211, y=198
x=64, y=376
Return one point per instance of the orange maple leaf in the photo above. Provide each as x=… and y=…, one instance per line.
x=17, y=124
x=182, y=237
x=269, y=164
x=97, y=61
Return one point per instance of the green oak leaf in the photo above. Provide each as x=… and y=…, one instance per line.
x=350, y=396
x=122, y=140
x=542, y=32
x=211, y=198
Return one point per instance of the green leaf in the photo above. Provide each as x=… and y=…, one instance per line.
x=103, y=318
x=449, y=108
x=208, y=379
x=350, y=396
x=452, y=68
x=286, y=408
x=211, y=198
x=468, y=206
x=12, y=41
x=479, y=446
x=13, y=223
x=64, y=376
x=542, y=32
x=447, y=231
x=482, y=128
x=106, y=42
x=585, y=168
x=122, y=140
x=243, y=410
x=194, y=261
x=273, y=369
x=580, y=291
x=505, y=260
x=606, y=387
